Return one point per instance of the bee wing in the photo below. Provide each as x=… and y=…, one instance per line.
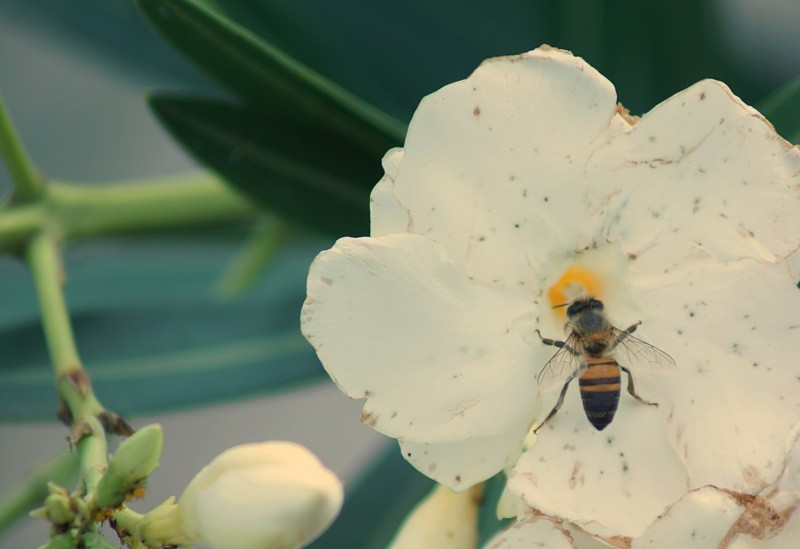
x=641, y=354
x=561, y=366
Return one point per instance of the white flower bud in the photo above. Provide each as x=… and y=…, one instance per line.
x=267, y=495
x=444, y=519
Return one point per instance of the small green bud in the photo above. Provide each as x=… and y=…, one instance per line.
x=93, y=540
x=61, y=541
x=136, y=458
x=60, y=508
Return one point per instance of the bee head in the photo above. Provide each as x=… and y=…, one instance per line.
x=581, y=305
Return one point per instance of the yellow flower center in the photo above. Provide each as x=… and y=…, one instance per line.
x=576, y=282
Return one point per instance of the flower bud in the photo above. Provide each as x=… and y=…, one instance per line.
x=444, y=519
x=272, y=494
x=136, y=458
x=59, y=506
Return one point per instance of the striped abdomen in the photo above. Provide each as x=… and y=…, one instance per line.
x=600, y=386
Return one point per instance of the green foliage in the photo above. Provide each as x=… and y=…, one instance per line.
x=151, y=332
x=374, y=509
x=267, y=77
x=782, y=108
x=311, y=177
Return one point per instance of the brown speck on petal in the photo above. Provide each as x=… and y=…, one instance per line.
x=626, y=114
x=369, y=418
x=759, y=520
x=476, y=111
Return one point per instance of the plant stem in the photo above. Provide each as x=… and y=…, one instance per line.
x=26, y=180
x=71, y=379
x=75, y=211
x=83, y=210
x=59, y=469
x=93, y=452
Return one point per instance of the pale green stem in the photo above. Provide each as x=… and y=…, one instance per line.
x=77, y=211
x=45, y=264
x=93, y=452
x=83, y=210
x=72, y=382
x=28, y=495
x=127, y=519
x=19, y=221
x=26, y=180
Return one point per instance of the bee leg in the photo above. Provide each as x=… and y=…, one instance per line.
x=632, y=389
x=557, y=406
x=626, y=332
x=556, y=343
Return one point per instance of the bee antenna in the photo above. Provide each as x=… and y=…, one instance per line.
x=559, y=306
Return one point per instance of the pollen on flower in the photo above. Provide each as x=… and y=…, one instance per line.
x=577, y=281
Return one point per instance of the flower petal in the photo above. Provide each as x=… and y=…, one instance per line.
x=438, y=356
x=493, y=164
x=734, y=401
x=613, y=482
x=535, y=532
x=707, y=171
x=387, y=215
x=701, y=518
x=461, y=464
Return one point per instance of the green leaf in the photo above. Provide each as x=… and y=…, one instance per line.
x=375, y=507
x=150, y=332
x=306, y=176
x=266, y=77
x=782, y=108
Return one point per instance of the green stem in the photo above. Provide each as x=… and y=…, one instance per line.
x=19, y=221
x=75, y=211
x=93, y=451
x=83, y=210
x=28, y=495
x=26, y=180
x=71, y=379
x=45, y=264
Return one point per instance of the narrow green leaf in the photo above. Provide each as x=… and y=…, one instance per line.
x=375, y=507
x=307, y=176
x=782, y=108
x=267, y=77
x=151, y=334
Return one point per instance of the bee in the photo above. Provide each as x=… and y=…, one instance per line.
x=587, y=354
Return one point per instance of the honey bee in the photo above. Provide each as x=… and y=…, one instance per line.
x=587, y=355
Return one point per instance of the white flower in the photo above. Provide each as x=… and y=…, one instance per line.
x=523, y=187
x=443, y=519
x=268, y=495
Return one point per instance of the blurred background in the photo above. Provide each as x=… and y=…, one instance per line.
x=75, y=76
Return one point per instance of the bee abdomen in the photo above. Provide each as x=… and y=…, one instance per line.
x=600, y=394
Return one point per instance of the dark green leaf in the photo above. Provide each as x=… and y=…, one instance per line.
x=266, y=77
x=392, y=57
x=152, y=335
x=307, y=176
x=377, y=505
x=782, y=108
